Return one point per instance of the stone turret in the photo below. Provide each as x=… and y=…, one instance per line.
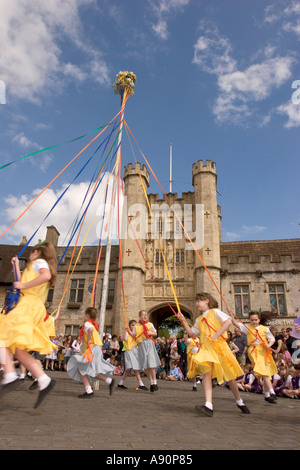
x=133, y=265
x=205, y=185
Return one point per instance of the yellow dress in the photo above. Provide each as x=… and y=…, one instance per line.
x=193, y=368
x=215, y=356
x=24, y=326
x=50, y=326
x=260, y=357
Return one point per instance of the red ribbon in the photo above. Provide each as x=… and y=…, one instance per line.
x=93, y=322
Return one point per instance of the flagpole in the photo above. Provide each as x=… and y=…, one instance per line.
x=124, y=86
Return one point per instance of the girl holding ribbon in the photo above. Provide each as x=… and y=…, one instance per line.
x=23, y=328
x=214, y=358
x=89, y=364
x=144, y=332
x=260, y=340
x=131, y=361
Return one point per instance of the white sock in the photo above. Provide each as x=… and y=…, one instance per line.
x=9, y=377
x=22, y=376
x=239, y=402
x=43, y=381
x=108, y=380
x=121, y=382
x=209, y=405
x=272, y=391
x=151, y=382
x=141, y=384
x=88, y=389
x=267, y=394
x=154, y=382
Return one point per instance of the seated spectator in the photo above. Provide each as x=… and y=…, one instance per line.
x=174, y=356
x=161, y=371
x=174, y=372
x=293, y=391
x=281, y=381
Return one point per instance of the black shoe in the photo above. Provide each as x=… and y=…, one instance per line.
x=43, y=393
x=122, y=386
x=151, y=388
x=142, y=387
x=194, y=389
x=244, y=409
x=111, y=386
x=9, y=386
x=34, y=385
x=86, y=395
x=204, y=410
x=271, y=399
x=155, y=387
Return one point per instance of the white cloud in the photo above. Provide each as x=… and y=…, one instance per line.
x=292, y=111
x=163, y=10
x=212, y=51
x=43, y=161
x=31, y=57
x=63, y=215
x=243, y=232
x=239, y=90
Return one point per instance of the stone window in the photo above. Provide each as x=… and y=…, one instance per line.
x=72, y=330
x=277, y=299
x=76, y=292
x=179, y=256
x=241, y=300
x=111, y=291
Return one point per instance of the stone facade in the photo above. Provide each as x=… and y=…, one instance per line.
x=256, y=275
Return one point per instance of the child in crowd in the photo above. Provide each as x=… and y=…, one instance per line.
x=174, y=372
x=293, y=391
x=214, y=356
x=161, y=371
x=89, y=364
x=250, y=383
x=281, y=381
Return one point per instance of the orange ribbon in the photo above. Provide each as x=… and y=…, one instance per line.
x=88, y=355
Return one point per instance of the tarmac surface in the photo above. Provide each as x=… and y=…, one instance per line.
x=135, y=420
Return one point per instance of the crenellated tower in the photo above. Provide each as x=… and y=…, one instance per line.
x=133, y=265
x=205, y=186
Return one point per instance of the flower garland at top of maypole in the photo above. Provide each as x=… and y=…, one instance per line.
x=125, y=81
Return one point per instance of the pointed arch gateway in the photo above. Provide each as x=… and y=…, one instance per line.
x=160, y=312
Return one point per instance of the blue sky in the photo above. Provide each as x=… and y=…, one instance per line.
x=214, y=78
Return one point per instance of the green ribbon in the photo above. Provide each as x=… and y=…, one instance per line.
x=52, y=147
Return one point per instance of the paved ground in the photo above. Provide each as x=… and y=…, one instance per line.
x=137, y=420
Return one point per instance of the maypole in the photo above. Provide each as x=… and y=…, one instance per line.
x=123, y=86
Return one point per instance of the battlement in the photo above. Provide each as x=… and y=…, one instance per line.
x=130, y=170
x=199, y=166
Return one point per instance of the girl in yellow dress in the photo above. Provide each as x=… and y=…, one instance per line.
x=23, y=328
x=144, y=332
x=260, y=341
x=89, y=364
x=214, y=358
x=131, y=360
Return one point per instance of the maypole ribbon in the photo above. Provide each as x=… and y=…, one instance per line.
x=52, y=181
